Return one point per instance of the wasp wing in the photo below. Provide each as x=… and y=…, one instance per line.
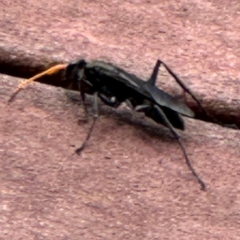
x=152, y=92
x=164, y=99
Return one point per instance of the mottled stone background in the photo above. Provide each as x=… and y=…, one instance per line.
x=132, y=181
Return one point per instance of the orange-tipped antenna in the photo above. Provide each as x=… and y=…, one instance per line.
x=49, y=71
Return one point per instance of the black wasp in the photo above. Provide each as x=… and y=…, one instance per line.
x=114, y=86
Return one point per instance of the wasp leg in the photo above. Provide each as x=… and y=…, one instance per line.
x=176, y=135
x=183, y=86
x=82, y=96
x=141, y=108
x=153, y=78
x=109, y=100
x=186, y=89
x=85, y=119
x=95, y=117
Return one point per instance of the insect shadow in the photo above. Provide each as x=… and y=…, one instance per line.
x=114, y=86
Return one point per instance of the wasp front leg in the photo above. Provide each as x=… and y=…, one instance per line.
x=95, y=117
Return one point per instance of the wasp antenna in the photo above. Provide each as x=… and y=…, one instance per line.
x=49, y=71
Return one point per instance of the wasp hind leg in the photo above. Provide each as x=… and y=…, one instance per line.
x=176, y=135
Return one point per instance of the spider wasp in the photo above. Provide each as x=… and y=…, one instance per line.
x=114, y=85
